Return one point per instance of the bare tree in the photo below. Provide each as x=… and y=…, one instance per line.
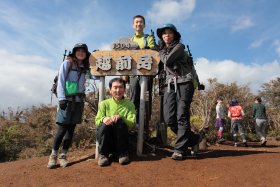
x=271, y=93
x=204, y=102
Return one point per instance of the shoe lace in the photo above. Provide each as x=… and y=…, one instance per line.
x=63, y=157
x=123, y=155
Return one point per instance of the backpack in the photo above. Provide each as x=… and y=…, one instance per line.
x=55, y=80
x=235, y=111
x=79, y=69
x=145, y=38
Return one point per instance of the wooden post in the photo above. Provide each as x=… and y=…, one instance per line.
x=101, y=98
x=162, y=128
x=126, y=63
x=101, y=89
x=140, y=138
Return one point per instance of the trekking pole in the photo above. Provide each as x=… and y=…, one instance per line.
x=189, y=51
x=154, y=39
x=64, y=55
x=56, y=77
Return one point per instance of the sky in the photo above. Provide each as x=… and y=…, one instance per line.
x=233, y=41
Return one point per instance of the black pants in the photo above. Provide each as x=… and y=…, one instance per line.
x=177, y=113
x=112, y=138
x=134, y=92
x=65, y=131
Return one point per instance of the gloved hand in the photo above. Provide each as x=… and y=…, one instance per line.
x=63, y=104
x=201, y=87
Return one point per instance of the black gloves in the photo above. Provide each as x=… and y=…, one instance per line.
x=63, y=104
x=201, y=87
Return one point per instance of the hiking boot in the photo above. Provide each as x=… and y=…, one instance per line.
x=245, y=143
x=177, y=156
x=52, y=161
x=195, y=150
x=103, y=160
x=263, y=142
x=63, y=162
x=220, y=140
x=123, y=159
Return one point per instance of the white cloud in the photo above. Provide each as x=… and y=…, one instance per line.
x=52, y=33
x=170, y=11
x=23, y=81
x=227, y=71
x=242, y=23
x=257, y=43
x=105, y=47
x=277, y=45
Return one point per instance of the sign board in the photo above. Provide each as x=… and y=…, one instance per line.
x=124, y=62
x=124, y=43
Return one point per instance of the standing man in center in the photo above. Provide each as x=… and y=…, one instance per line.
x=144, y=41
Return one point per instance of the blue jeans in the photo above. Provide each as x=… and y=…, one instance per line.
x=237, y=126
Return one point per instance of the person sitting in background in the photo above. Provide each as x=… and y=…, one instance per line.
x=115, y=115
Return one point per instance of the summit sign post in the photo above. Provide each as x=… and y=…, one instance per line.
x=122, y=61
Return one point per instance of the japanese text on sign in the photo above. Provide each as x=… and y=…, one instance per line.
x=124, y=62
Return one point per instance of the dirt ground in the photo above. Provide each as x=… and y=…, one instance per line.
x=222, y=165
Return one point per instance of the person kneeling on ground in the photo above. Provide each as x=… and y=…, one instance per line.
x=114, y=117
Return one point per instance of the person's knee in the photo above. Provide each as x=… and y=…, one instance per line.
x=103, y=129
x=120, y=124
x=61, y=130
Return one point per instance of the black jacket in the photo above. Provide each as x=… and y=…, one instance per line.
x=176, y=64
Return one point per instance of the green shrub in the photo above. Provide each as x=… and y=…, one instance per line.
x=275, y=134
x=12, y=137
x=252, y=137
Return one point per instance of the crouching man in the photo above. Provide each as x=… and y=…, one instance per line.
x=114, y=117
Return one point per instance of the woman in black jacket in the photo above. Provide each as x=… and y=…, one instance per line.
x=179, y=88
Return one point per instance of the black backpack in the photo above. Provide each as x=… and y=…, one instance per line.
x=54, y=86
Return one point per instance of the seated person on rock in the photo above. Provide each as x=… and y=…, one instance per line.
x=114, y=117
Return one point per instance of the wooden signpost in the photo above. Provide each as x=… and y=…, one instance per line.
x=126, y=62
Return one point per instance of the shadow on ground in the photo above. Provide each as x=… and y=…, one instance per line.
x=82, y=160
x=161, y=153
